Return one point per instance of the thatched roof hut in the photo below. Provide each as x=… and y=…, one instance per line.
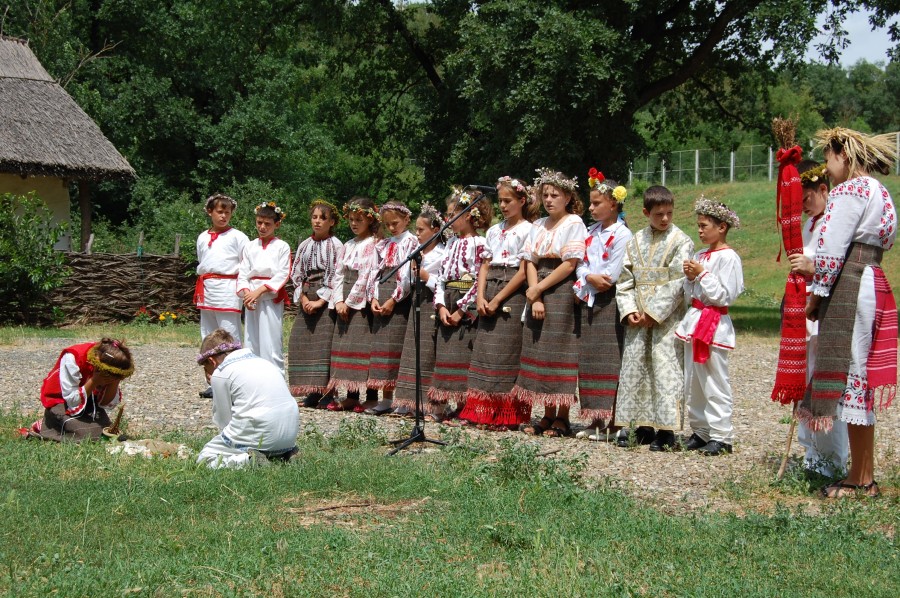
x=45, y=134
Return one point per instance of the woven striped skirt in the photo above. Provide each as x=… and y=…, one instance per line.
x=351, y=346
x=495, y=358
x=388, y=334
x=548, y=373
x=405, y=392
x=600, y=357
x=453, y=353
x=309, y=347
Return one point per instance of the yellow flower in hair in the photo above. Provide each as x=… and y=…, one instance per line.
x=620, y=193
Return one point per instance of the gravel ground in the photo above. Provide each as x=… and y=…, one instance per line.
x=162, y=397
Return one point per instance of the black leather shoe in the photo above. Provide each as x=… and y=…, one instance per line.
x=694, y=442
x=665, y=440
x=206, y=394
x=714, y=447
x=641, y=435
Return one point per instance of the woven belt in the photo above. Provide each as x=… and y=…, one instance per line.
x=461, y=285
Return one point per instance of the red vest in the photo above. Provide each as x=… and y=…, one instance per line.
x=51, y=391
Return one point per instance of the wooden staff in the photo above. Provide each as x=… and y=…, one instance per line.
x=113, y=430
x=787, y=449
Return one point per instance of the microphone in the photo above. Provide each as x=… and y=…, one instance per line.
x=483, y=188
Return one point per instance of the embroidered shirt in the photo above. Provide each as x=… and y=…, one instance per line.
x=358, y=256
x=461, y=257
x=506, y=246
x=604, y=254
x=719, y=285
x=389, y=253
x=316, y=255
x=564, y=240
x=220, y=253
x=266, y=265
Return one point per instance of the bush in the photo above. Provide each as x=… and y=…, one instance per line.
x=30, y=267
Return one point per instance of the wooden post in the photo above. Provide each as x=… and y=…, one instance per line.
x=90, y=243
x=696, y=167
x=177, y=244
x=140, y=247
x=84, y=206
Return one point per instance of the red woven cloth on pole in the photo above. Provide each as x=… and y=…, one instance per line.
x=790, y=377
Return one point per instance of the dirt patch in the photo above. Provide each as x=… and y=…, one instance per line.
x=351, y=512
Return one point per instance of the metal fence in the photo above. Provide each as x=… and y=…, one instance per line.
x=700, y=166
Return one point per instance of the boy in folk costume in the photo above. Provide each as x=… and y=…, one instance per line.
x=600, y=331
x=650, y=298
x=714, y=279
x=219, y=256
x=82, y=385
x=856, y=358
x=826, y=452
x=313, y=274
x=252, y=407
x=264, y=272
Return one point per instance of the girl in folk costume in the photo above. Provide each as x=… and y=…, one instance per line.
x=252, y=408
x=264, y=272
x=351, y=347
x=500, y=302
x=856, y=358
x=219, y=252
x=454, y=298
x=427, y=224
x=391, y=302
x=826, y=452
x=714, y=279
x=600, y=330
x=313, y=273
x=82, y=385
x=548, y=372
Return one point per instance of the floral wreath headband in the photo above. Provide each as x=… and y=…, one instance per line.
x=706, y=206
x=547, y=176
x=270, y=204
x=596, y=181
x=464, y=198
x=212, y=199
x=94, y=359
x=395, y=206
x=326, y=204
x=813, y=175
x=518, y=186
x=432, y=214
x=218, y=350
x=355, y=207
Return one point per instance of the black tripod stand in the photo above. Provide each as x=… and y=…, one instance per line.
x=418, y=431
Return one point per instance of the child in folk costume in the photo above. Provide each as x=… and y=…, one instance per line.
x=454, y=298
x=500, y=302
x=650, y=298
x=313, y=273
x=264, y=272
x=428, y=223
x=826, y=452
x=856, y=358
x=351, y=347
x=219, y=252
x=548, y=373
x=82, y=385
x=600, y=331
x=391, y=302
x=252, y=407
x=714, y=279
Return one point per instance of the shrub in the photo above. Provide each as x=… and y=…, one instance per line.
x=30, y=267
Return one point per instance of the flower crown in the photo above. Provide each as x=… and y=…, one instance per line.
x=94, y=360
x=596, y=180
x=321, y=202
x=355, y=207
x=395, y=206
x=431, y=213
x=813, y=174
x=270, y=204
x=706, y=206
x=547, y=176
x=517, y=185
x=218, y=350
x=464, y=198
x=210, y=201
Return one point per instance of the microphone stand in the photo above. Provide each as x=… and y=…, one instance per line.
x=418, y=431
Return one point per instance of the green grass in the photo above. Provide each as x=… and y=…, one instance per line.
x=76, y=521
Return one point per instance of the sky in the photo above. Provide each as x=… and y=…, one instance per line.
x=864, y=43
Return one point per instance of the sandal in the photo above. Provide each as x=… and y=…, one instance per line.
x=537, y=429
x=432, y=418
x=559, y=431
x=843, y=490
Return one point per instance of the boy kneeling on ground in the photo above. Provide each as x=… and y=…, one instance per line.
x=256, y=415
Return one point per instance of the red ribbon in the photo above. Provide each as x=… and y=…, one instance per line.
x=199, y=295
x=705, y=329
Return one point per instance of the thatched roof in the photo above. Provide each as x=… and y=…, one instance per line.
x=42, y=130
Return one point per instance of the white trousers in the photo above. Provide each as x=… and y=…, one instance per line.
x=227, y=320
x=709, y=399
x=262, y=331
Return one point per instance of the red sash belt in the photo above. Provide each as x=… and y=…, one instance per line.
x=280, y=295
x=199, y=296
x=705, y=329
